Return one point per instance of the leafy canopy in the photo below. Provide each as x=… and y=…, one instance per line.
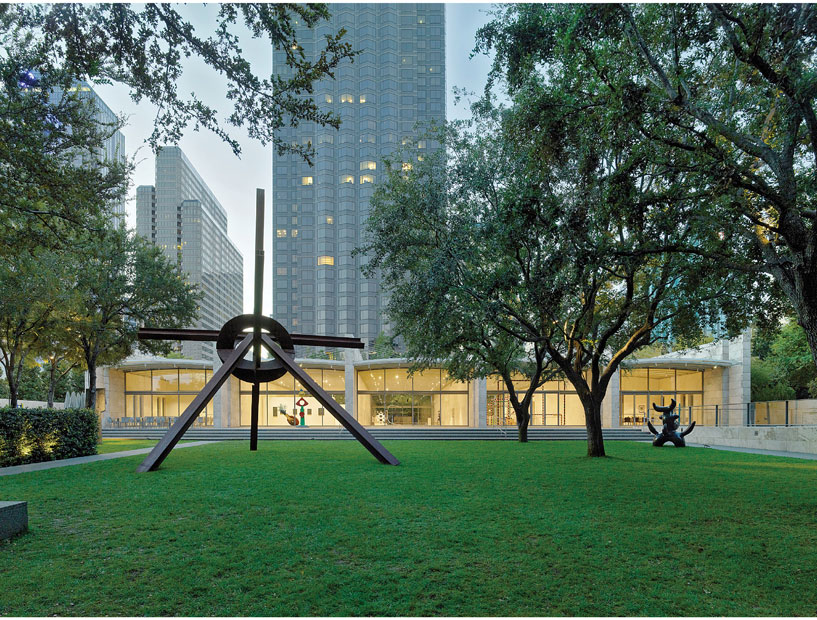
x=726, y=93
x=143, y=47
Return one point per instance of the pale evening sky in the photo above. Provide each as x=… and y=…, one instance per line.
x=233, y=180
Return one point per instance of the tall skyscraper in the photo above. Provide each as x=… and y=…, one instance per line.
x=182, y=216
x=113, y=150
x=114, y=147
x=319, y=212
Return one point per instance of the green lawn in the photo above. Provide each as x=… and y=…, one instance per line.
x=107, y=446
x=460, y=528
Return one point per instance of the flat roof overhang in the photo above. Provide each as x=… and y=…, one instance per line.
x=161, y=363
x=386, y=362
x=679, y=363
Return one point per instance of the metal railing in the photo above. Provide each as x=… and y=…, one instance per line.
x=150, y=422
x=783, y=413
x=767, y=413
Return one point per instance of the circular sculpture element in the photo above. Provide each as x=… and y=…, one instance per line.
x=233, y=331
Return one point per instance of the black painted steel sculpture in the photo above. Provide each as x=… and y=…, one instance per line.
x=669, y=432
x=234, y=341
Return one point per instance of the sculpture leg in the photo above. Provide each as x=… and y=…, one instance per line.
x=175, y=432
x=339, y=413
x=256, y=389
x=660, y=441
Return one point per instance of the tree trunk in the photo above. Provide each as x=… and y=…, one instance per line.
x=12, y=393
x=592, y=421
x=522, y=421
x=13, y=379
x=90, y=393
x=798, y=285
x=52, y=383
x=807, y=318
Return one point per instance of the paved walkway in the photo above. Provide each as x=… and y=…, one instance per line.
x=21, y=469
x=794, y=455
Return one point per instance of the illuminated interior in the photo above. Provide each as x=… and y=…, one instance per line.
x=155, y=398
x=278, y=399
x=555, y=403
x=641, y=387
x=390, y=397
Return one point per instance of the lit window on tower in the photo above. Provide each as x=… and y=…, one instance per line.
x=326, y=260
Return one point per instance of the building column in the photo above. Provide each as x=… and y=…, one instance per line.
x=226, y=412
x=740, y=379
x=479, y=390
x=349, y=378
x=610, y=407
x=115, y=394
x=221, y=398
x=725, y=381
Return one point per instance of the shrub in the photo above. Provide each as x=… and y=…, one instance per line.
x=41, y=434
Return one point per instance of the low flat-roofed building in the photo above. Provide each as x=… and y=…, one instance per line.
x=711, y=384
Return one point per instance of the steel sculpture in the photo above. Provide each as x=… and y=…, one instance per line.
x=669, y=432
x=234, y=341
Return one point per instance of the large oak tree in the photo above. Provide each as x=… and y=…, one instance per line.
x=726, y=91
x=120, y=283
x=540, y=230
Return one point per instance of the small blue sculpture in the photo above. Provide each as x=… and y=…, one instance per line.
x=669, y=432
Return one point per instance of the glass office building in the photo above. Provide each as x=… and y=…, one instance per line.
x=113, y=149
x=182, y=216
x=395, y=86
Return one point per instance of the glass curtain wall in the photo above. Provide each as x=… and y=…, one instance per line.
x=641, y=387
x=389, y=397
x=155, y=398
x=555, y=403
x=278, y=398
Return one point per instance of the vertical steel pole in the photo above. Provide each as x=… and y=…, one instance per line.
x=787, y=413
x=257, y=306
x=256, y=389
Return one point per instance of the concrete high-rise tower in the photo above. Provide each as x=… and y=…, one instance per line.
x=114, y=147
x=319, y=212
x=112, y=150
x=182, y=216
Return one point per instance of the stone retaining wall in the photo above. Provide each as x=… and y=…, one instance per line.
x=789, y=439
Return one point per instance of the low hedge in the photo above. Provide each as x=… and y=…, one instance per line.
x=41, y=434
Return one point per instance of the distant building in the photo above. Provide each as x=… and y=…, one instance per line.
x=182, y=216
x=113, y=150
x=319, y=212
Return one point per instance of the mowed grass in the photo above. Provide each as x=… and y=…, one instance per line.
x=108, y=445
x=459, y=528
